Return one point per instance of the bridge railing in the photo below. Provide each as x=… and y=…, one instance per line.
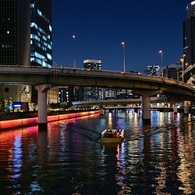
x=80, y=71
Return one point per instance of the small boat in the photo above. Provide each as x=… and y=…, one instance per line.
x=112, y=135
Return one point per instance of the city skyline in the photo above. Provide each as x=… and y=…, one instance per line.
x=100, y=28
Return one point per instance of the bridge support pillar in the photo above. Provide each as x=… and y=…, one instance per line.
x=175, y=108
x=42, y=105
x=146, y=108
x=186, y=108
x=146, y=116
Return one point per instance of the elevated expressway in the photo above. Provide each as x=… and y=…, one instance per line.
x=118, y=101
x=45, y=78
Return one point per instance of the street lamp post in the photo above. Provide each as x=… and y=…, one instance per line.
x=182, y=63
x=74, y=38
x=124, y=63
x=161, y=57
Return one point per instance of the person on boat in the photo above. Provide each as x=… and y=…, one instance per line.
x=118, y=132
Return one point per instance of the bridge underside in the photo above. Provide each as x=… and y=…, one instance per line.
x=143, y=84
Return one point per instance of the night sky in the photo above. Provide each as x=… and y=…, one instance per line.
x=101, y=25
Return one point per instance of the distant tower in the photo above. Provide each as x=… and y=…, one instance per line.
x=152, y=70
x=189, y=35
x=92, y=64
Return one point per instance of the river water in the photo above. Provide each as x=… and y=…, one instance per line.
x=69, y=159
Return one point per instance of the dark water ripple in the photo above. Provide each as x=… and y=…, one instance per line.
x=69, y=159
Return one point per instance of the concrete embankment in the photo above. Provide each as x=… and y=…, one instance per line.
x=24, y=121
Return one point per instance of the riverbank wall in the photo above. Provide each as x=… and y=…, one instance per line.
x=24, y=121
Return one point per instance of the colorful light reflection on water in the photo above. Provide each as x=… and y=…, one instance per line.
x=69, y=159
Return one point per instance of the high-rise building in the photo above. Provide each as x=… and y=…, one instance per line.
x=174, y=71
x=190, y=8
x=41, y=33
x=25, y=39
x=25, y=32
x=189, y=35
x=92, y=93
x=92, y=64
x=153, y=69
x=14, y=32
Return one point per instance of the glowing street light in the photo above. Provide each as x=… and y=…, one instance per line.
x=74, y=38
x=182, y=62
x=161, y=57
x=124, y=63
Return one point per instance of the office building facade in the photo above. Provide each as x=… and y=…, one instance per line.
x=153, y=70
x=174, y=71
x=14, y=32
x=25, y=32
x=92, y=93
x=189, y=36
x=41, y=33
x=92, y=64
x=25, y=40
